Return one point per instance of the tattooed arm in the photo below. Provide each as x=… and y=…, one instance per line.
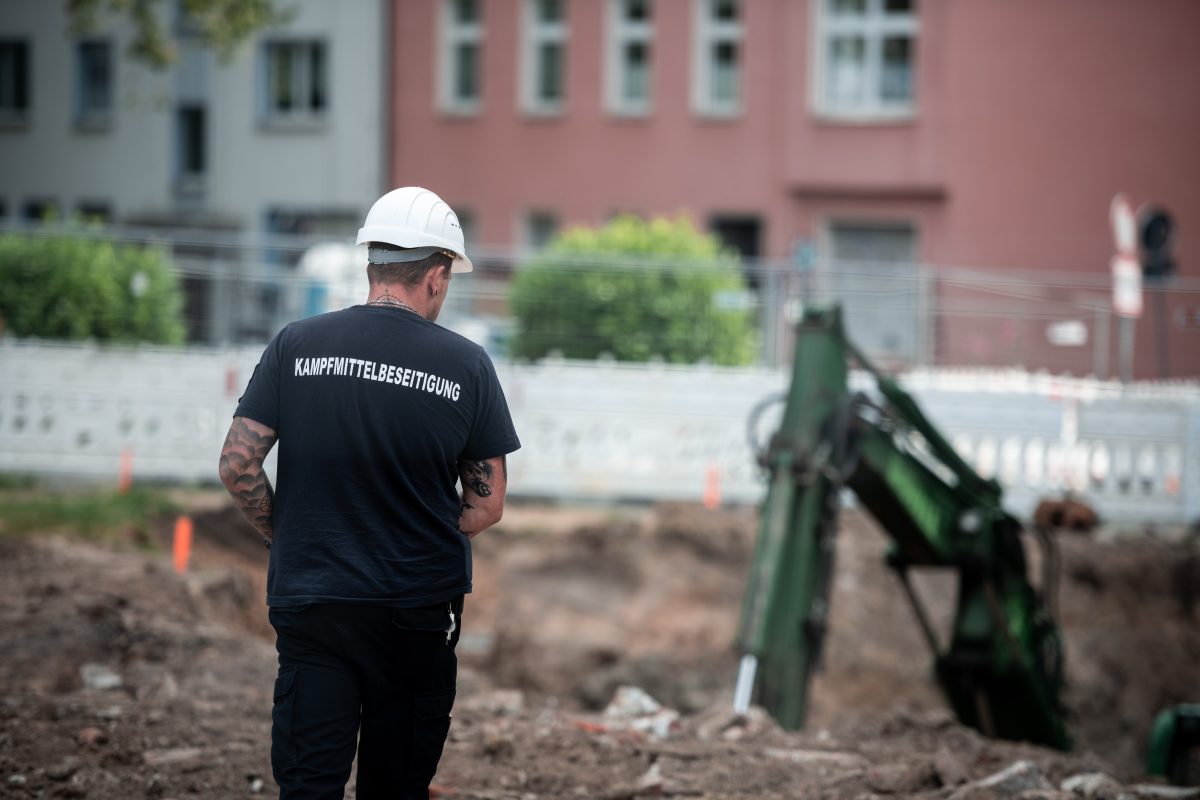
x=484, y=484
x=242, y=473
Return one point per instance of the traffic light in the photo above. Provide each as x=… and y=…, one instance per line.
x=1156, y=243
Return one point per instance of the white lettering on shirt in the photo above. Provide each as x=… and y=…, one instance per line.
x=349, y=367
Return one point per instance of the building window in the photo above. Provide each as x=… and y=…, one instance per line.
x=460, y=69
x=540, y=228
x=40, y=210
x=543, y=62
x=717, y=57
x=96, y=211
x=865, y=57
x=14, y=82
x=742, y=234
x=192, y=147
x=630, y=57
x=93, y=83
x=466, y=223
x=296, y=82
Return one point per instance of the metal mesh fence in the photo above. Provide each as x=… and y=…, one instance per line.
x=241, y=287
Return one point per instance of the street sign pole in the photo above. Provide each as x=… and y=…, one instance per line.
x=1127, y=281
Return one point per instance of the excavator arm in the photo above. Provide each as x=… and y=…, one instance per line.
x=1000, y=666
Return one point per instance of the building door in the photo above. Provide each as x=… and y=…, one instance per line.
x=874, y=275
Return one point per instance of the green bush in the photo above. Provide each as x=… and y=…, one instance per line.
x=634, y=289
x=78, y=287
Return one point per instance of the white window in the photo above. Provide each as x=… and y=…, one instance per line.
x=296, y=82
x=460, y=68
x=865, y=53
x=14, y=82
x=717, y=57
x=543, y=60
x=93, y=83
x=629, y=71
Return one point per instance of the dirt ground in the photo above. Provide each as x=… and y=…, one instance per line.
x=120, y=678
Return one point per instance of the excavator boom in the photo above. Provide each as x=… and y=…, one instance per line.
x=1000, y=666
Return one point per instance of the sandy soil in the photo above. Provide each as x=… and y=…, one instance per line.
x=119, y=678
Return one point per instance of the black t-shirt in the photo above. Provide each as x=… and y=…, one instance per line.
x=374, y=407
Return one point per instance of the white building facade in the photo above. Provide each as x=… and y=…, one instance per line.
x=287, y=136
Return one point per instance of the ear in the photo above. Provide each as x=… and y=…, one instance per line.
x=439, y=280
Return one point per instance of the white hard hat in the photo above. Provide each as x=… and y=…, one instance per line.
x=416, y=217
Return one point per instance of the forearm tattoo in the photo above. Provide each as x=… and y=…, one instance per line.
x=477, y=476
x=245, y=448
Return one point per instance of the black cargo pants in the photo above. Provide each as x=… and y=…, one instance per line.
x=379, y=678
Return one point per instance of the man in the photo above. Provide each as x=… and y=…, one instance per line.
x=378, y=412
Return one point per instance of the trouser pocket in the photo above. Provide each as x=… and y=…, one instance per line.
x=283, y=713
x=431, y=724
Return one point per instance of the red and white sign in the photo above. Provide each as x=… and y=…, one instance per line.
x=1126, y=269
x=1127, y=286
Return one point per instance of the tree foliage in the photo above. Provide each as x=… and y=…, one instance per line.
x=79, y=287
x=634, y=289
x=219, y=24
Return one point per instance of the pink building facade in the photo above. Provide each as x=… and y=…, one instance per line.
x=982, y=135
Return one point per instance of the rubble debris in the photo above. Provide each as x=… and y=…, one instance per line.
x=191, y=717
x=633, y=709
x=172, y=755
x=91, y=736
x=64, y=769
x=1018, y=777
x=1094, y=785
x=495, y=702
x=99, y=677
x=903, y=778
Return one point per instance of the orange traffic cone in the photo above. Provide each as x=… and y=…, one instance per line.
x=183, y=543
x=125, y=471
x=712, y=487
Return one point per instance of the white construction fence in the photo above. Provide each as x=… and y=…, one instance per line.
x=617, y=432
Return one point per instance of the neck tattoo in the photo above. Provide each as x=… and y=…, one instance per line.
x=387, y=299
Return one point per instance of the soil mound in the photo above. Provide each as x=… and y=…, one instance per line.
x=120, y=678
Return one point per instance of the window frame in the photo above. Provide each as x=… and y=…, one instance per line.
x=620, y=32
x=94, y=119
x=707, y=32
x=452, y=34
x=302, y=116
x=874, y=26
x=16, y=115
x=535, y=33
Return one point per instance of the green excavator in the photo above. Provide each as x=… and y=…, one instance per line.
x=1000, y=667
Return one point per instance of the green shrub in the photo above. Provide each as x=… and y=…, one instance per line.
x=634, y=289
x=78, y=287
